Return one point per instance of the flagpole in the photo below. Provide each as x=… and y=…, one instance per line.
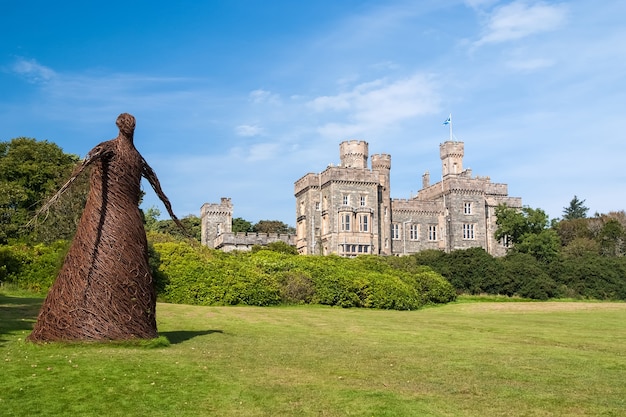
x=449, y=122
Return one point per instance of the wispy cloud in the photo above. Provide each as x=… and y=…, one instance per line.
x=32, y=71
x=377, y=104
x=520, y=19
x=248, y=130
x=261, y=96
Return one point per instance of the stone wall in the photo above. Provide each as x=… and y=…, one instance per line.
x=228, y=242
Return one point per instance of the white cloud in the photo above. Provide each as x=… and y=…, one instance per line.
x=264, y=97
x=377, y=104
x=32, y=71
x=248, y=130
x=520, y=19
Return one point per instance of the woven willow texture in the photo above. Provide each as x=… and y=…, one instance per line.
x=104, y=290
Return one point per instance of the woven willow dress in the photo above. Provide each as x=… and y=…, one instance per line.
x=104, y=290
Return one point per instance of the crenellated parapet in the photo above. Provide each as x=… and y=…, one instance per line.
x=229, y=242
x=223, y=208
x=305, y=183
x=381, y=161
x=348, y=175
x=353, y=154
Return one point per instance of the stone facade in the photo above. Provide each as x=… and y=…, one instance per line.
x=347, y=209
x=216, y=224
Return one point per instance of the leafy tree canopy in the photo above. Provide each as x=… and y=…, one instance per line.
x=273, y=226
x=30, y=172
x=528, y=230
x=241, y=225
x=517, y=223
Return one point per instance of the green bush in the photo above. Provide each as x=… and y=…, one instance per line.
x=591, y=276
x=198, y=275
x=32, y=268
x=296, y=287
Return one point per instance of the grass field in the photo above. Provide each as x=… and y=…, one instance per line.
x=461, y=359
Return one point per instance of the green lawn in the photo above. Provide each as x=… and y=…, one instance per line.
x=462, y=359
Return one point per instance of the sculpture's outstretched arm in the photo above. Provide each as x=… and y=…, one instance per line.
x=96, y=153
x=149, y=174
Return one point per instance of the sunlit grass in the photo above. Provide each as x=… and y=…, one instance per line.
x=462, y=359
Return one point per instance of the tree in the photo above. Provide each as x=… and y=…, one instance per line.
x=151, y=218
x=273, y=226
x=30, y=172
x=575, y=210
x=192, y=224
x=241, y=225
x=612, y=238
x=528, y=230
x=570, y=230
x=517, y=223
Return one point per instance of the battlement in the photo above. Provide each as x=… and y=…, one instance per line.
x=224, y=208
x=381, y=161
x=228, y=242
x=348, y=175
x=353, y=153
x=306, y=182
x=415, y=206
x=451, y=149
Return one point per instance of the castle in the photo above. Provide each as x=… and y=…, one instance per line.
x=217, y=231
x=347, y=209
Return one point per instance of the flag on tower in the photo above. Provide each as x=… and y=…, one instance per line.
x=448, y=120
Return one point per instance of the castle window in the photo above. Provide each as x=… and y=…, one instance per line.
x=395, y=231
x=506, y=241
x=345, y=222
x=317, y=206
x=468, y=231
x=346, y=200
x=414, y=232
x=432, y=232
x=363, y=223
x=219, y=229
x=363, y=201
x=467, y=208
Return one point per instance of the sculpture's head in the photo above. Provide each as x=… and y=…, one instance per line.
x=126, y=123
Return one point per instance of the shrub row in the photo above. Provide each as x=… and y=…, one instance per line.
x=198, y=275
x=474, y=271
x=202, y=276
x=32, y=267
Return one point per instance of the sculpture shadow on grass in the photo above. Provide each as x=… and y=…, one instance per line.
x=180, y=336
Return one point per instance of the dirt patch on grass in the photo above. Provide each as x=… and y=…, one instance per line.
x=544, y=306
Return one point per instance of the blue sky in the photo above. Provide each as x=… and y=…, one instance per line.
x=241, y=98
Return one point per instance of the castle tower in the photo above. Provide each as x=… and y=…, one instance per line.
x=353, y=154
x=451, y=154
x=381, y=163
x=216, y=219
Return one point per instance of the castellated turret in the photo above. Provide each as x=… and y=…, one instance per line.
x=215, y=220
x=451, y=154
x=381, y=162
x=353, y=154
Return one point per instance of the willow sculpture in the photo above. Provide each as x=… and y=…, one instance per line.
x=104, y=290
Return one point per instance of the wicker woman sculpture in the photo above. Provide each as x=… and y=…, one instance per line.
x=104, y=290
